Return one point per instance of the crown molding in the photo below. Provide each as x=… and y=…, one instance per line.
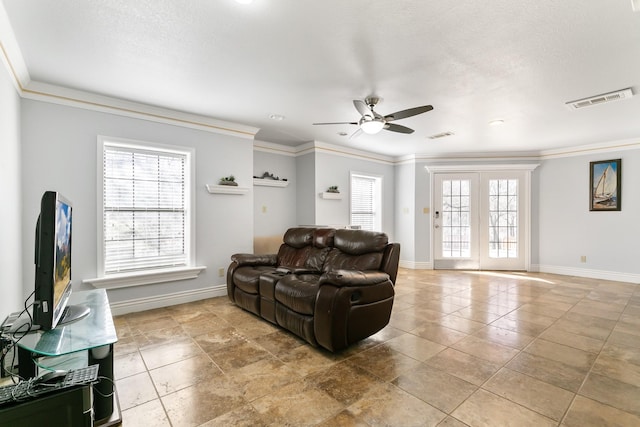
x=470, y=159
x=479, y=156
x=270, y=147
x=75, y=98
x=482, y=167
x=583, y=150
x=409, y=159
x=323, y=147
x=526, y=156
x=320, y=147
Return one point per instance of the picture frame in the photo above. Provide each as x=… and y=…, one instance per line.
x=605, y=185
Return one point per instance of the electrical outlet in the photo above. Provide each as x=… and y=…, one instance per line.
x=583, y=258
x=425, y=210
x=264, y=209
x=221, y=272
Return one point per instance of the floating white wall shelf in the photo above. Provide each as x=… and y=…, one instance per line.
x=270, y=182
x=334, y=196
x=226, y=189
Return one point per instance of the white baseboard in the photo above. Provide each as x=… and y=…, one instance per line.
x=584, y=272
x=158, y=301
x=416, y=265
x=553, y=269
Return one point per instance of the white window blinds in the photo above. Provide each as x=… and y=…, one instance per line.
x=363, y=198
x=144, y=209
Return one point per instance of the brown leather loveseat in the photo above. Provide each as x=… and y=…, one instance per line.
x=330, y=287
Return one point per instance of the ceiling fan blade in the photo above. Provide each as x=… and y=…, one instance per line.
x=337, y=123
x=362, y=107
x=397, y=128
x=408, y=113
x=355, y=134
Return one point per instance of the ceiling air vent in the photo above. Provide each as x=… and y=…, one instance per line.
x=440, y=135
x=600, y=99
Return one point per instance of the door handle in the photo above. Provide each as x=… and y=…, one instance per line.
x=436, y=226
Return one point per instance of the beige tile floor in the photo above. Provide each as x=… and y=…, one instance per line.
x=462, y=348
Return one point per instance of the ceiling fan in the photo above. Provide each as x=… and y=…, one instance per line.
x=372, y=122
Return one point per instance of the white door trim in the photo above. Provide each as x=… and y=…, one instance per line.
x=467, y=168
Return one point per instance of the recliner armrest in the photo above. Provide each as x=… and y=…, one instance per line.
x=253, y=259
x=342, y=278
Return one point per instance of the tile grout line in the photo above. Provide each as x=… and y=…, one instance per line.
x=604, y=343
x=520, y=351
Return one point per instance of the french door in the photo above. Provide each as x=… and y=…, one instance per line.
x=480, y=220
x=455, y=221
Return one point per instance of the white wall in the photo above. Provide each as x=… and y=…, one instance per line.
x=405, y=211
x=14, y=289
x=305, y=189
x=423, y=220
x=334, y=169
x=274, y=208
x=59, y=153
x=568, y=230
x=535, y=217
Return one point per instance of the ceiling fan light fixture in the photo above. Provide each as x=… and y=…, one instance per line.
x=370, y=125
x=371, y=122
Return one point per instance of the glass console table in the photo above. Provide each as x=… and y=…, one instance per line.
x=94, y=334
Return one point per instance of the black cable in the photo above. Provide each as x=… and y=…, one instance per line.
x=16, y=341
x=113, y=389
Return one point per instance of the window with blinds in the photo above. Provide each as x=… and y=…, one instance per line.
x=145, y=201
x=365, y=202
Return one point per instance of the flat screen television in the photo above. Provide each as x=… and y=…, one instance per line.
x=53, y=264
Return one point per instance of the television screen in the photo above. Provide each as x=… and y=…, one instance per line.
x=53, y=264
x=62, y=263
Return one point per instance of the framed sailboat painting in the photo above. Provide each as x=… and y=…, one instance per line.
x=605, y=185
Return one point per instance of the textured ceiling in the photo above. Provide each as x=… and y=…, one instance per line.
x=474, y=61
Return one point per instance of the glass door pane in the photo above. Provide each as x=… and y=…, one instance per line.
x=503, y=218
x=456, y=219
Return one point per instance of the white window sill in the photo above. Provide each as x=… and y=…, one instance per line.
x=114, y=281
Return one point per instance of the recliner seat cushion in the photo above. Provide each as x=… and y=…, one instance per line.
x=247, y=278
x=298, y=292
